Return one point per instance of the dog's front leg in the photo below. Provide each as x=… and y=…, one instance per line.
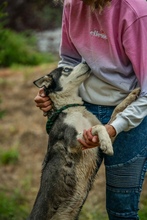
x=104, y=139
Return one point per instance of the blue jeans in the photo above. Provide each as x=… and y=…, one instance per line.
x=125, y=170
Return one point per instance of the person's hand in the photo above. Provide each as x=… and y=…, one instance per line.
x=91, y=141
x=42, y=101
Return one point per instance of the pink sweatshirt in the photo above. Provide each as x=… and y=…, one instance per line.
x=114, y=44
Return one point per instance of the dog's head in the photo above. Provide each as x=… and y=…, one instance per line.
x=63, y=78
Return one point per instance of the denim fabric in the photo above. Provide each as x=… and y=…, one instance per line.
x=125, y=170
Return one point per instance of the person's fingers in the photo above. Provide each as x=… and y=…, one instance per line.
x=95, y=139
x=46, y=109
x=87, y=146
x=89, y=134
x=84, y=144
x=89, y=138
x=43, y=103
x=41, y=92
x=86, y=137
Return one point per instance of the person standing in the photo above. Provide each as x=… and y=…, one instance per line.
x=111, y=37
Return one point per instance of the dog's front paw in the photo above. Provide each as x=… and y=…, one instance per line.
x=106, y=146
x=104, y=139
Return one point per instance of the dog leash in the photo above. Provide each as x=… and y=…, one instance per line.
x=55, y=115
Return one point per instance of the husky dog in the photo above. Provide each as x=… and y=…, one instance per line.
x=68, y=171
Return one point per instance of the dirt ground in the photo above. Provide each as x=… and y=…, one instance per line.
x=23, y=128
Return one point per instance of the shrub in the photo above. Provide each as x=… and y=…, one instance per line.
x=13, y=206
x=2, y=112
x=10, y=156
x=16, y=49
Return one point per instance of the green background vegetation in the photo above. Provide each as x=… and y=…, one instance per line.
x=18, y=44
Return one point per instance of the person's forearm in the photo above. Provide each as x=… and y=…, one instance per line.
x=132, y=116
x=111, y=130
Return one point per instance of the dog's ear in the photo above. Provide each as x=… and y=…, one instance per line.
x=44, y=81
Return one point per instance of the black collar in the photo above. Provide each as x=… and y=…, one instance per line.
x=55, y=115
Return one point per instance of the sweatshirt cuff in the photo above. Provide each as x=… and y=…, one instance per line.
x=120, y=124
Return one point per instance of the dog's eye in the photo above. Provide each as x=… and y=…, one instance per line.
x=66, y=71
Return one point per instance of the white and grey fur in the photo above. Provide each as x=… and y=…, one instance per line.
x=68, y=171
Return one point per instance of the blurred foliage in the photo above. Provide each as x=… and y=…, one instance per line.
x=2, y=112
x=10, y=156
x=3, y=14
x=143, y=210
x=19, y=48
x=93, y=215
x=32, y=14
x=13, y=206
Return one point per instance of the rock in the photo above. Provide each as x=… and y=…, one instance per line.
x=49, y=41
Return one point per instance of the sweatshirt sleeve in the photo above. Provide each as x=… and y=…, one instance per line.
x=68, y=53
x=135, y=44
x=132, y=116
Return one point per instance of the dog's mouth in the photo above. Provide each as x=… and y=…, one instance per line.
x=85, y=73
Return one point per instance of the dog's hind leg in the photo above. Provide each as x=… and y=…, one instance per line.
x=127, y=101
x=104, y=139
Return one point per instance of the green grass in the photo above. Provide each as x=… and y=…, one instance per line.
x=10, y=156
x=2, y=112
x=93, y=215
x=100, y=215
x=143, y=210
x=13, y=206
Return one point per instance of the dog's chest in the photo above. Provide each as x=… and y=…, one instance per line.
x=77, y=120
